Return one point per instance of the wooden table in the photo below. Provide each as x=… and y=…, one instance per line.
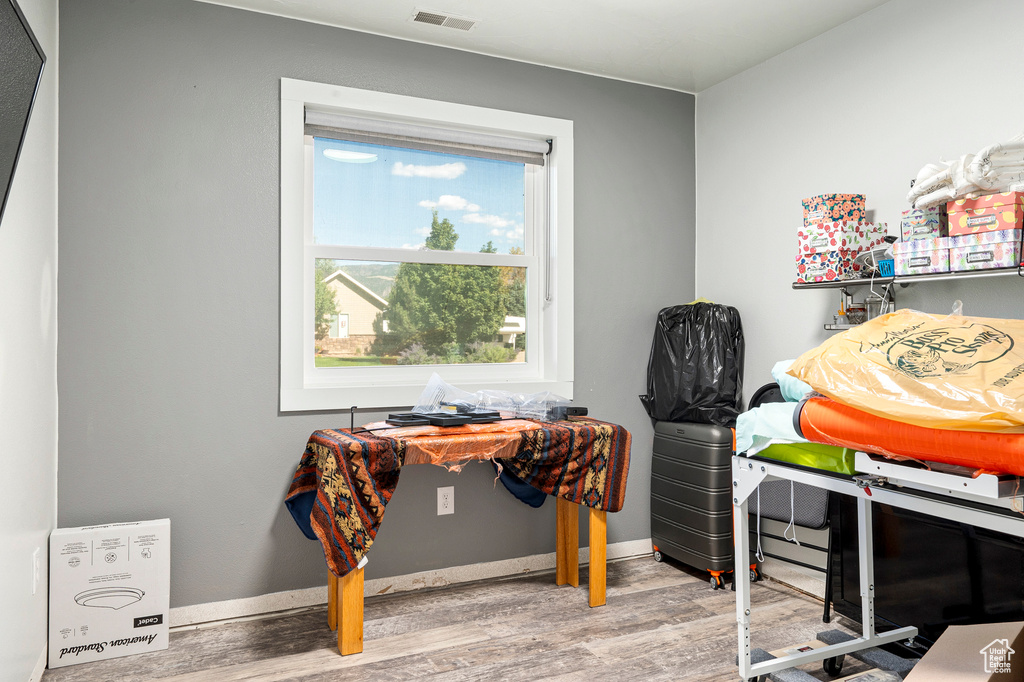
x=583, y=463
x=345, y=594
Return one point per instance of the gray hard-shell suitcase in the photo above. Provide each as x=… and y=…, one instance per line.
x=691, y=499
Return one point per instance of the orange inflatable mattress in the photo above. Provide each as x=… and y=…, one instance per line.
x=822, y=420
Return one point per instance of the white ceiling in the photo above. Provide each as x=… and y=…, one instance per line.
x=686, y=45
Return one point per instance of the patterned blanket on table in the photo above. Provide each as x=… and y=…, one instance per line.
x=344, y=480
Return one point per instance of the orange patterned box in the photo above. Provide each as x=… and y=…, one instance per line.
x=828, y=208
x=987, y=213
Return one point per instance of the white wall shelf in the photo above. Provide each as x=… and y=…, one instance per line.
x=903, y=281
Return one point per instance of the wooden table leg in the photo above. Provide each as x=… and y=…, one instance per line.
x=332, y=600
x=567, y=543
x=598, y=555
x=350, y=613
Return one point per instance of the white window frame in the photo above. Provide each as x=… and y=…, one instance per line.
x=549, y=365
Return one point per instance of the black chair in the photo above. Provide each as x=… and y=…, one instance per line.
x=769, y=393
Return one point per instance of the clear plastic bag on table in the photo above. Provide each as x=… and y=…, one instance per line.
x=695, y=371
x=439, y=396
x=954, y=372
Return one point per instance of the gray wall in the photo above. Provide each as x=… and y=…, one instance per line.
x=28, y=370
x=168, y=353
x=859, y=109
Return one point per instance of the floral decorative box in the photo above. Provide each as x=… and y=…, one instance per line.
x=825, y=266
x=836, y=236
x=921, y=256
x=987, y=213
x=924, y=223
x=985, y=250
x=825, y=251
x=827, y=208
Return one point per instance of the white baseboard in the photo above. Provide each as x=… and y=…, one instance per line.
x=37, y=672
x=234, y=610
x=800, y=578
x=493, y=569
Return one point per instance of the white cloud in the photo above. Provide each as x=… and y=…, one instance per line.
x=447, y=171
x=450, y=202
x=456, y=203
x=492, y=220
x=425, y=231
x=513, y=235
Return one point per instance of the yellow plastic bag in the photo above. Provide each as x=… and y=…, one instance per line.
x=956, y=372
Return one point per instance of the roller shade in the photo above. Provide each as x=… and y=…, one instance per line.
x=425, y=138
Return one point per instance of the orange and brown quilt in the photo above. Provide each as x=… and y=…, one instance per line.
x=346, y=477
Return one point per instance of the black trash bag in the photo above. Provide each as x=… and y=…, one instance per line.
x=695, y=373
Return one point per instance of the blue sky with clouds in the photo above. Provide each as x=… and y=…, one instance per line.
x=372, y=195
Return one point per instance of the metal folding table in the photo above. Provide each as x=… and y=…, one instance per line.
x=986, y=501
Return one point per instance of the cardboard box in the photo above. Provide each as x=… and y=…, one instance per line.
x=974, y=653
x=987, y=213
x=924, y=223
x=921, y=256
x=827, y=208
x=109, y=591
x=984, y=250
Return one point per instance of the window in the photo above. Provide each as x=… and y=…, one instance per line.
x=420, y=236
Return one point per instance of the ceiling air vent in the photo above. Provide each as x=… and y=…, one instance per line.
x=446, y=20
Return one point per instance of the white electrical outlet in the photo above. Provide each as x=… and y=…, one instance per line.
x=446, y=500
x=36, y=568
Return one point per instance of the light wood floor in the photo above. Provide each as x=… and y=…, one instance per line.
x=662, y=622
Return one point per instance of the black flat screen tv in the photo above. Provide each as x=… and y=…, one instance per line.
x=21, y=67
x=929, y=572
